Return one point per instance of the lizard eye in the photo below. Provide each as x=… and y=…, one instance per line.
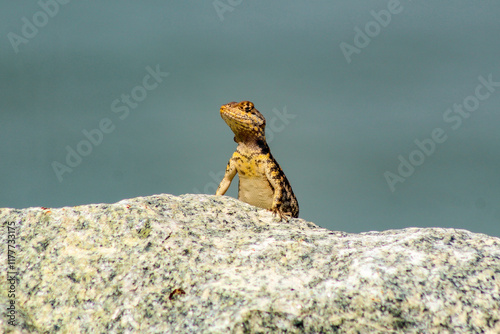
x=247, y=106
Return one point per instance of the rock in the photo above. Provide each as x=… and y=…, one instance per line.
x=198, y=263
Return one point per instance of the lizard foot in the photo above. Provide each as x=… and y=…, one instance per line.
x=282, y=215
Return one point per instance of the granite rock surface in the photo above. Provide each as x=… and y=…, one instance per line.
x=199, y=263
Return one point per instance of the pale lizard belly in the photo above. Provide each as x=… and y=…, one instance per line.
x=255, y=190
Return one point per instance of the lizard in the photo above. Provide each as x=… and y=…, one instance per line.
x=262, y=182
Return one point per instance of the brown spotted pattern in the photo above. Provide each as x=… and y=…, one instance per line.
x=261, y=180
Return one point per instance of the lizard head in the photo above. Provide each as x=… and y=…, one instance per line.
x=245, y=121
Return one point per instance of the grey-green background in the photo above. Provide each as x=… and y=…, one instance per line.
x=346, y=123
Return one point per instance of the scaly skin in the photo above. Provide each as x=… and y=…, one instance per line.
x=261, y=180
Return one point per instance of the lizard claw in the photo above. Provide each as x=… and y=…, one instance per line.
x=277, y=212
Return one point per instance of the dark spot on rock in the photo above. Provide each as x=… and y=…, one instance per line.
x=175, y=293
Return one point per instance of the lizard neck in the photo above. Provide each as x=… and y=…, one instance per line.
x=252, y=145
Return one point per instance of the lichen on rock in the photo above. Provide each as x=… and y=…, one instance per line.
x=199, y=263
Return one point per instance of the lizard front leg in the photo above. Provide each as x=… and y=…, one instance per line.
x=228, y=177
x=275, y=176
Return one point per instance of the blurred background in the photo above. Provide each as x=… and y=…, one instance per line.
x=88, y=113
